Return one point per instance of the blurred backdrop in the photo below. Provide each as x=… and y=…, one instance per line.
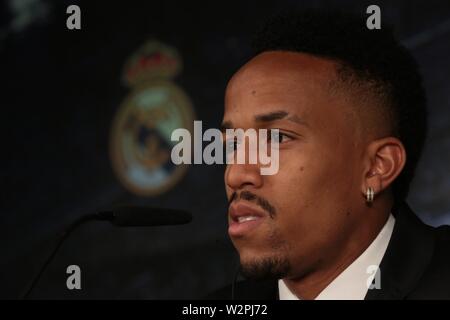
x=85, y=118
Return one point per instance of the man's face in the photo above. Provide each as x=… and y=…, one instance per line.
x=302, y=217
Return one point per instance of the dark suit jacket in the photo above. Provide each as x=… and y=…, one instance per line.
x=416, y=265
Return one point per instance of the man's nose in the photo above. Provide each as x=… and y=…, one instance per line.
x=237, y=176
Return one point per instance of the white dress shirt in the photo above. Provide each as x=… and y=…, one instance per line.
x=354, y=281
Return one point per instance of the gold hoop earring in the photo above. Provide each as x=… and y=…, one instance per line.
x=369, y=195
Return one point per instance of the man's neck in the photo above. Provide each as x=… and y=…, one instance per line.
x=311, y=285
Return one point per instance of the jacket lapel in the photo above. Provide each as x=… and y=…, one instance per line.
x=408, y=254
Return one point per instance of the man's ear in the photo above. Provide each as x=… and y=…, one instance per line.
x=384, y=160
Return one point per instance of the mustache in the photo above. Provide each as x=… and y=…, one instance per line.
x=259, y=201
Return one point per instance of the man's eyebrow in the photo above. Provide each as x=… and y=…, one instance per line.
x=278, y=115
x=268, y=117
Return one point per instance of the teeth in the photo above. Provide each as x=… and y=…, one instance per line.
x=247, y=218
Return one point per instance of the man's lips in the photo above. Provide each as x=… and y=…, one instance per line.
x=243, y=218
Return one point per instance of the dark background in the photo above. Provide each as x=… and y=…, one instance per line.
x=60, y=92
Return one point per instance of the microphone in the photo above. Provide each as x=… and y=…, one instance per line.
x=132, y=216
x=120, y=216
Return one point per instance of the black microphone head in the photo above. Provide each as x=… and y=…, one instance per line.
x=135, y=216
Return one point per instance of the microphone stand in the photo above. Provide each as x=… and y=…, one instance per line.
x=66, y=233
x=124, y=216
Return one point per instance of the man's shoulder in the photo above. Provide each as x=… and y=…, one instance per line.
x=435, y=282
x=443, y=233
x=247, y=290
x=440, y=257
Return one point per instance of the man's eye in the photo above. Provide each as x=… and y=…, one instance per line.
x=231, y=144
x=280, y=137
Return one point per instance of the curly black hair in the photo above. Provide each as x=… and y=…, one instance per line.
x=373, y=57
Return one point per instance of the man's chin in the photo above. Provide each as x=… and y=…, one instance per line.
x=261, y=268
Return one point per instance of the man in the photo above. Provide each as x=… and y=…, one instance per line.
x=332, y=223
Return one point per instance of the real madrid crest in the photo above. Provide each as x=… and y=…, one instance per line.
x=142, y=127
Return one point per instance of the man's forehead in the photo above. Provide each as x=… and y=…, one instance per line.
x=284, y=64
x=278, y=70
x=274, y=81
